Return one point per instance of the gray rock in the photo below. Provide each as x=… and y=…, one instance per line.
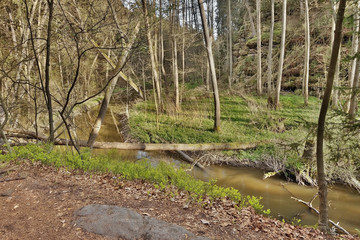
x=127, y=224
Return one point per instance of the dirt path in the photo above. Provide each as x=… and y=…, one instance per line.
x=42, y=202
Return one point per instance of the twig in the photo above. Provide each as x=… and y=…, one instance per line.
x=189, y=159
x=12, y=179
x=317, y=211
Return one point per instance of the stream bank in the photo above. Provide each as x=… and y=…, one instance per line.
x=51, y=195
x=248, y=177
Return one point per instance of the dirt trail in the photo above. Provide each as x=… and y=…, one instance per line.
x=41, y=203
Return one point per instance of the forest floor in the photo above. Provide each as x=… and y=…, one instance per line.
x=38, y=202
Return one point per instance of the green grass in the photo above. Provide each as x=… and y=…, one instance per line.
x=241, y=121
x=163, y=175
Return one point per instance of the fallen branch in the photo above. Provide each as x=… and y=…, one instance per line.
x=8, y=170
x=12, y=179
x=189, y=159
x=309, y=204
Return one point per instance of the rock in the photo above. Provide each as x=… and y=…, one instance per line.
x=125, y=223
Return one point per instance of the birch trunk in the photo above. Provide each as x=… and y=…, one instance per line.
x=230, y=45
x=354, y=91
x=271, y=39
x=307, y=55
x=282, y=53
x=258, y=36
x=335, y=94
x=154, y=63
x=212, y=67
x=175, y=56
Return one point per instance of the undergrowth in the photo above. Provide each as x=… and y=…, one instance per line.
x=162, y=175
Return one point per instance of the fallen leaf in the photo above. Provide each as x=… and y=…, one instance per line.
x=205, y=222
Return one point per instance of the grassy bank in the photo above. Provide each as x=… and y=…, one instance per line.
x=162, y=176
x=242, y=120
x=282, y=135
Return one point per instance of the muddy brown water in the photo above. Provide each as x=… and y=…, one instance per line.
x=276, y=193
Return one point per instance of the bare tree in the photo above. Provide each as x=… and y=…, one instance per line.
x=258, y=36
x=251, y=18
x=230, y=53
x=335, y=94
x=174, y=54
x=321, y=180
x=212, y=66
x=355, y=50
x=307, y=55
x=109, y=90
x=282, y=53
x=270, y=55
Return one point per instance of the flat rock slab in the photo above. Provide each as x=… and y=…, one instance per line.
x=127, y=224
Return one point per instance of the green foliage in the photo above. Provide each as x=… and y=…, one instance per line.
x=163, y=175
x=242, y=120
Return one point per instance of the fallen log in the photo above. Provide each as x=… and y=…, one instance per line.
x=309, y=205
x=189, y=159
x=137, y=146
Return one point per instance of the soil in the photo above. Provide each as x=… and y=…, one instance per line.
x=38, y=202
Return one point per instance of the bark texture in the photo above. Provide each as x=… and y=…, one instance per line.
x=282, y=53
x=212, y=67
x=322, y=185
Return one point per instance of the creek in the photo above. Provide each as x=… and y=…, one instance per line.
x=275, y=191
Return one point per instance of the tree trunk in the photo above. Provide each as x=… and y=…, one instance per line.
x=212, y=67
x=355, y=47
x=47, y=72
x=108, y=93
x=162, y=72
x=152, y=53
x=354, y=90
x=175, y=56
x=258, y=36
x=183, y=49
x=322, y=185
x=230, y=54
x=307, y=55
x=251, y=18
x=335, y=94
x=282, y=53
x=271, y=39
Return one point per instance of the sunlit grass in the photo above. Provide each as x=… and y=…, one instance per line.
x=241, y=121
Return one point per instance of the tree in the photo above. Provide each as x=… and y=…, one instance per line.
x=258, y=36
x=109, y=90
x=307, y=55
x=282, y=53
x=355, y=50
x=321, y=180
x=154, y=63
x=335, y=94
x=271, y=39
x=174, y=54
x=251, y=18
x=230, y=53
x=212, y=66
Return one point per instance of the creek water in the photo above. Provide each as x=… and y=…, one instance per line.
x=276, y=193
